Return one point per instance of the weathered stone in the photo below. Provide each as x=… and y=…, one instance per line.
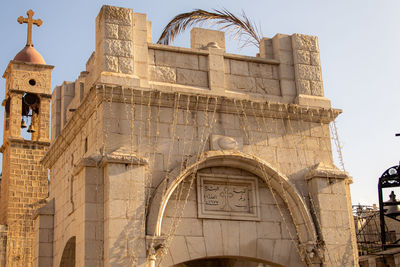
x=286, y=72
x=303, y=87
x=151, y=57
x=267, y=86
x=138, y=131
x=302, y=57
x=173, y=59
x=125, y=32
x=125, y=65
x=162, y=74
x=192, y=77
x=288, y=87
x=203, y=63
x=305, y=42
x=118, y=48
x=258, y=70
x=315, y=59
x=111, y=31
x=286, y=57
x=317, y=88
x=243, y=83
x=200, y=38
x=239, y=67
x=307, y=72
x=117, y=15
x=111, y=63
x=266, y=50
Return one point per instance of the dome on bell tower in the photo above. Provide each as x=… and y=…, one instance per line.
x=29, y=55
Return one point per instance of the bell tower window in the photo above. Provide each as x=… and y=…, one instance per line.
x=30, y=113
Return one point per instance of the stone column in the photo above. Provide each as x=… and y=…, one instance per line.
x=15, y=115
x=44, y=118
x=282, y=51
x=331, y=208
x=140, y=48
x=307, y=70
x=121, y=47
x=214, y=42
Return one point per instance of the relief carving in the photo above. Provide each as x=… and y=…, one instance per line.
x=228, y=197
x=20, y=81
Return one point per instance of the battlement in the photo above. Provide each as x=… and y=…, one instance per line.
x=286, y=69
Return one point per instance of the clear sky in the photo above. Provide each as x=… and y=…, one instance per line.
x=359, y=44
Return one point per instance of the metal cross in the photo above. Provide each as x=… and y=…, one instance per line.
x=30, y=21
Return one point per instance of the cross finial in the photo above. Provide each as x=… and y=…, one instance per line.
x=30, y=21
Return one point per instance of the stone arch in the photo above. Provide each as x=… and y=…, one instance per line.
x=68, y=256
x=226, y=261
x=301, y=216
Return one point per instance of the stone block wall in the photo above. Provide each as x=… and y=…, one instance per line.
x=252, y=77
x=24, y=186
x=190, y=69
x=147, y=109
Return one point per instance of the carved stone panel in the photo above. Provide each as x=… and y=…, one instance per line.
x=228, y=197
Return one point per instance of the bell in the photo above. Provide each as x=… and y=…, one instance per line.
x=31, y=129
x=393, y=210
x=23, y=125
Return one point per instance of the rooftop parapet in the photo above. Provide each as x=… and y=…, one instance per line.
x=286, y=69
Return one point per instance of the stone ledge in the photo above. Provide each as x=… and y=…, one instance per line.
x=178, y=49
x=252, y=59
x=122, y=157
x=313, y=101
x=114, y=78
x=322, y=170
x=116, y=157
x=16, y=91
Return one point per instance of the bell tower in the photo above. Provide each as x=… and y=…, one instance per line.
x=24, y=184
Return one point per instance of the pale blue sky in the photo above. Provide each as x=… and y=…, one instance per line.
x=359, y=45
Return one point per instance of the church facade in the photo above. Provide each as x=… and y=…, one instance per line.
x=170, y=156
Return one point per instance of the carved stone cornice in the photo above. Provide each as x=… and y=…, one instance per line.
x=197, y=102
x=115, y=157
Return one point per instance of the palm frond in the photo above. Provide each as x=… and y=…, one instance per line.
x=241, y=27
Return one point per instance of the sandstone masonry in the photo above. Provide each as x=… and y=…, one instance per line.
x=163, y=156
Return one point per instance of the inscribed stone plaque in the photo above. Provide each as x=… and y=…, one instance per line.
x=228, y=197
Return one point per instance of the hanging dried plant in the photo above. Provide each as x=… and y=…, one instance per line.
x=241, y=27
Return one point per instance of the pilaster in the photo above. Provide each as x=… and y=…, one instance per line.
x=124, y=211
x=331, y=206
x=214, y=42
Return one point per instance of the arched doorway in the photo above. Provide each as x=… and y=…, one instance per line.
x=284, y=227
x=68, y=256
x=226, y=262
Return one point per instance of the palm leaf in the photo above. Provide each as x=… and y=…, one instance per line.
x=240, y=27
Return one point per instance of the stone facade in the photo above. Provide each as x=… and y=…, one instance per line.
x=169, y=156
